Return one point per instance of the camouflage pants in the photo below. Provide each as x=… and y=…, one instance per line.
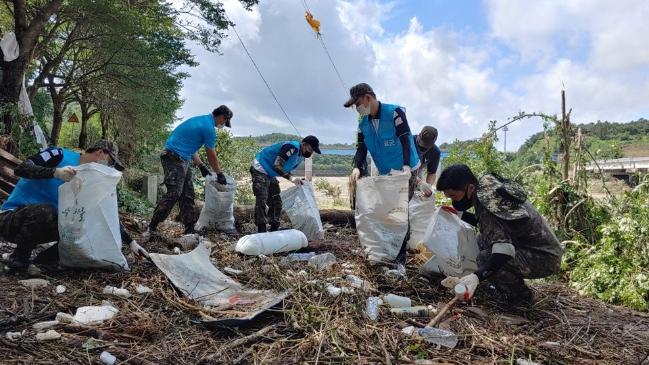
x=29, y=227
x=180, y=188
x=268, y=203
x=526, y=265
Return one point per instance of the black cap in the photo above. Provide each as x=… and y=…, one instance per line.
x=313, y=142
x=225, y=112
x=428, y=136
x=357, y=91
x=112, y=150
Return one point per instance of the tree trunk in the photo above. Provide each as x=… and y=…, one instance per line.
x=57, y=121
x=83, y=134
x=104, y=126
x=12, y=78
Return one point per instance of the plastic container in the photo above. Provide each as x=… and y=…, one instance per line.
x=407, y=312
x=439, y=336
x=269, y=243
x=94, y=314
x=359, y=283
x=372, y=307
x=323, y=261
x=295, y=257
x=120, y=292
x=396, y=301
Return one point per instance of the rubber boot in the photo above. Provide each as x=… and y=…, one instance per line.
x=261, y=228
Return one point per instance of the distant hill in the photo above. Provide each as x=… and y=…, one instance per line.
x=605, y=140
x=268, y=139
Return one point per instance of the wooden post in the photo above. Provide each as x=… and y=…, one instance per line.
x=577, y=166
x=308, y=168
x=565, y=136
x=151, y=182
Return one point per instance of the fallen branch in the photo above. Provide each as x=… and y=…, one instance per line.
x=241, y=341
x=433, y=322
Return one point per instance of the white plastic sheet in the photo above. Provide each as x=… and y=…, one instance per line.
x=197, y=279
x=382, y=215
x=453, y=245
x=88, y=219
x=421, y=210
x=302, y=209
x=218, y=211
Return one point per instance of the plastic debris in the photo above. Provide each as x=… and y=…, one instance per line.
x=408, y=331
x=94, y=314
x=439, y=336
x=269, y=243
x=60, y=289
x=14, y=336
x=34, y=283
x=120, y=292
x=526, y=362
x=334, y=291
x=107, y=358
x=396, y=301
x=64, y=317
x=372, y=307
x=50, y=335
x=5, y=256
x=323, y=261
x=177, y=250
x=39, y=326
x=141, y=289
x=295, y=257
x=551, y=345
x=359, y=283
x=417, y=311
x=232, y=271
x=33, y=270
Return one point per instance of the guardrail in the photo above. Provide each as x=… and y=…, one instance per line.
x=630, y=164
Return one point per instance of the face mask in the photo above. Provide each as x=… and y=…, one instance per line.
x=219, y=126
x=307, y=154
x=102, y=162
x=363, y=110
x=464, y=203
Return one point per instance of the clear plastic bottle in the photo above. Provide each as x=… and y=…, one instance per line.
x=418, y=311
x=396, y=301
x=294, y=257
x=439, y=336
x=323, y=261
x=372, y=308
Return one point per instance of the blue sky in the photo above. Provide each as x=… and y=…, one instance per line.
x=455, y=65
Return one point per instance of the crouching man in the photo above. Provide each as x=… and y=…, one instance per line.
x=273, y=161
x=29, y=216
x=515, y=241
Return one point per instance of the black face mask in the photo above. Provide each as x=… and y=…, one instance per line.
x=307, y=154
x=464, y=203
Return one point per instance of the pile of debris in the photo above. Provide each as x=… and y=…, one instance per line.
x=332, y=313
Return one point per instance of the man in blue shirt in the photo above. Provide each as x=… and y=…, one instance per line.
x=383, y=131
x=273, y=161
x=182, y=147
x=29, y=216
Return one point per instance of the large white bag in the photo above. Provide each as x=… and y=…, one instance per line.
x=269, y=243
x=382, y=215
x=218, y=210
x=453, y=245
x=302, y=209
x=89, y=221
x=421, y=210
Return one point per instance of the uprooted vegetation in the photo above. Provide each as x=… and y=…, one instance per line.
x=312, y=326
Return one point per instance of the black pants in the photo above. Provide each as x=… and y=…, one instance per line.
x=401, y=257
x=268, y=203
x=28, y=227
x=180, y=188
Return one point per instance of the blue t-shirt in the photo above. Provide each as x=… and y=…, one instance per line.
x=191, y=134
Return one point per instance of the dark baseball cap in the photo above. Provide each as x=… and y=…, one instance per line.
x=313, y=142
x=110, y=148
x=357, y=91
x=225, y=112
x=428, y=136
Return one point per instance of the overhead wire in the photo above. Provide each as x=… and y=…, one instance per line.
x=270, y=89
x=324, y=47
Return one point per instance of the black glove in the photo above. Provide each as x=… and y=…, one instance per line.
x=220, y=178
x=204, y=170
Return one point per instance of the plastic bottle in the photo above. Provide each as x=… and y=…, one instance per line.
x=417, y=311
x=323, y=261
x=294, y=257
x=396, y=301
x=120, y=292
x=358, y=283
x=372, y=307
x=439, y=336
x=269, y=243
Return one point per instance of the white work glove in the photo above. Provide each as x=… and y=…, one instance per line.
x=356, y=174
x=297, y=181
x=406, y=170
x=464, y=287
x=138, y=251
x=65, y=173
x=425, y=188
